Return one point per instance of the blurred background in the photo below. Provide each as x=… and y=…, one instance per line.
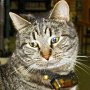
x=79, y=13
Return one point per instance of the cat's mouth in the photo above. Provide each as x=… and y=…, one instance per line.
x=64, y=69
x=61, y=64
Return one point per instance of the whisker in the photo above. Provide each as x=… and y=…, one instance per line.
x=22, y=66
x=82, y=69
x=82, y=60
x=30, y=70
x=16, y=69
x=83, y=56
x=82, y=64
x=31, y=64
x=77, y=71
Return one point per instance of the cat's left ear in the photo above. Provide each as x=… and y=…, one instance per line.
x=60, y=11
x=18, y=21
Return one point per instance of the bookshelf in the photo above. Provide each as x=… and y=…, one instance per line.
x=27, y=6
x=1, y=25
x=7, y=32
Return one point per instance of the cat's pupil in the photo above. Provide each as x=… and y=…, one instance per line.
x=33, y=44
x=54, y=40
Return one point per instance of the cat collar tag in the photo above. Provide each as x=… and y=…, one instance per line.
x=64, y=81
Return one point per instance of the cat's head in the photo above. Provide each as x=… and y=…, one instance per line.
x=48, y=44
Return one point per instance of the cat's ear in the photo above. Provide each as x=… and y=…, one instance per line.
x=18, y=21
x=60, y=11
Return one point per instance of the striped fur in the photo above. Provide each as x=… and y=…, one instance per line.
x=41, y=47
x=27, y=62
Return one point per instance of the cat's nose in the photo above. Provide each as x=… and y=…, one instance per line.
x=46, y=54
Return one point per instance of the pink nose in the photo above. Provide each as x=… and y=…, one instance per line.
x=46, y=55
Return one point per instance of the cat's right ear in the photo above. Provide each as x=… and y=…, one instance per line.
x=18, y=21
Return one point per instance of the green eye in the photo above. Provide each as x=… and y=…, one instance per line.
x=34, y=44
x=55, y=40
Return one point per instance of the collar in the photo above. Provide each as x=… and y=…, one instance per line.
x=62, y=81
x=56, y=81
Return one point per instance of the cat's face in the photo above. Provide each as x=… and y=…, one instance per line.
x=50, y=44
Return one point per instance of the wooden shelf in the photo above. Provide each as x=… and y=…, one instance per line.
x=25, y=6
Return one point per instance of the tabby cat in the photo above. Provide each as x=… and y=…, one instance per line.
x=43, y=49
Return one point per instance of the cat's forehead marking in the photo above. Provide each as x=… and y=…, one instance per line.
x=40, y=28
x=44, y=28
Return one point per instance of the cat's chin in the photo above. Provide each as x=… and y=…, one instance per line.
x=57, y=67
x=61, y=70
